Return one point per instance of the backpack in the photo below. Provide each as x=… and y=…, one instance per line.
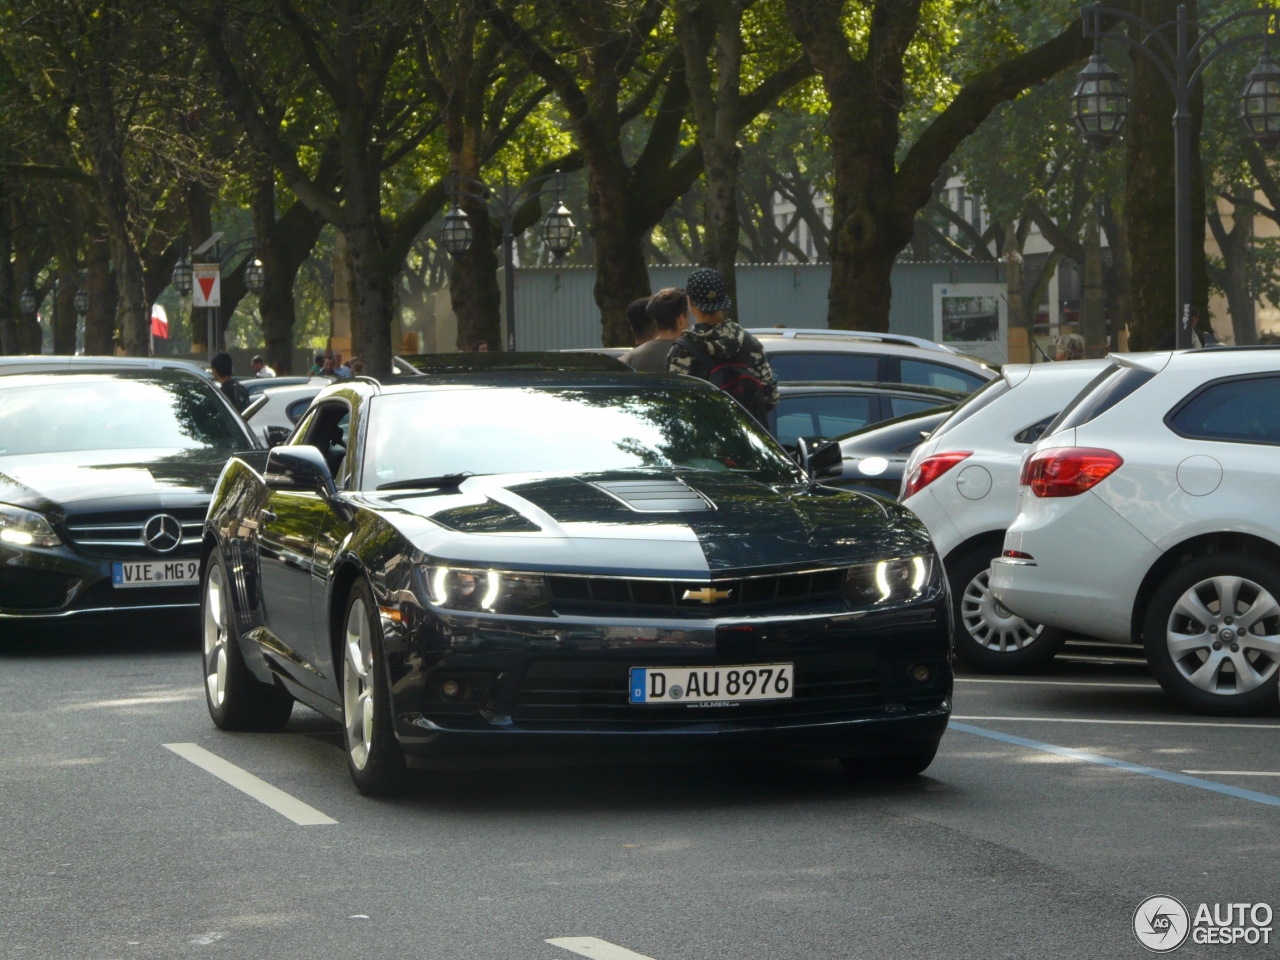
x=238, y=395
x=734, y=375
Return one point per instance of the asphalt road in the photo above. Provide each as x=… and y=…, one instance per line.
x=112, y=846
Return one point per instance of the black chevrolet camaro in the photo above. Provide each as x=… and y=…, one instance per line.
x=527, y=567
x=106, y=470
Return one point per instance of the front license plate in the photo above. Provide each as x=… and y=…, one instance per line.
x=164, y=573
x=758, y=681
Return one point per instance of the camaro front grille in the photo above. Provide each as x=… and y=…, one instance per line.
x=719, y=595
x=596, y=692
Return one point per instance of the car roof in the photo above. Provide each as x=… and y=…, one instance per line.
x=941, y=394
x=866, y=336
x=84, y=364
x=872, y=348
x=514, y=379
x=448, y=363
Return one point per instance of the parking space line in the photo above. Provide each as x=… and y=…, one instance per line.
x=1264, y=798
x=1130, y=723
x=596, y=948
x=282, y=803
x=1235, y=773
x=1063, y=683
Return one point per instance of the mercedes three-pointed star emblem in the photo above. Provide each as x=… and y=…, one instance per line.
x=162, y=533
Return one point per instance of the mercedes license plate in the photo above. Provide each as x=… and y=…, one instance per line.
x=757, y=681
x=162, y=573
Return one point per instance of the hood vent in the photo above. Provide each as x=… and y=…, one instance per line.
x=656, y=496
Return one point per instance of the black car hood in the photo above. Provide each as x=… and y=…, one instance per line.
x=745, y=523
x=105, y=478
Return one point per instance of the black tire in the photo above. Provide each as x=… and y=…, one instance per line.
x=1216, y=689
x=237, y=700
x=899, y=767
x=1000, y=644
x=374, y=757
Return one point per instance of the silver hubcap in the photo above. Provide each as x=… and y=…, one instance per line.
x=1224, y=635
x=357, y=685
x=989, y=623
x=215, y=636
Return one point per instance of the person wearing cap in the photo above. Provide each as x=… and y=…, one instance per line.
x=721, y=352
x=668, y=314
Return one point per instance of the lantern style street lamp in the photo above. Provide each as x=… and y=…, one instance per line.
x=255, y=275
x=1260, y=103
x=504, y=204
x=27, y=302
x=182, y=275
x=1099, y=104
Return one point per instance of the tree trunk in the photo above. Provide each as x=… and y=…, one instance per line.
x=1093, y=304
x=99, y=322
x=1017, y=319
x=473, y=284
x=8, y=288
x=621, y=272
x=371, y=318
x=1236, y=274
x=64, y=307
x=1117, y=276
x=1150, y=191
x=715, y=109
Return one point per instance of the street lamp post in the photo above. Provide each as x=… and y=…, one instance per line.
x=558, y=228
x=1099, y=105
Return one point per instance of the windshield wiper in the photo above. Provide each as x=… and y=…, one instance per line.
x=444, y=480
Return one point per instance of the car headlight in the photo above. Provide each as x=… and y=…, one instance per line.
x=25, y=528
x=491, y=591
x=888, y=580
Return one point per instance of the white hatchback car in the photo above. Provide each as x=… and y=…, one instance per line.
x=963, y=483
x=1150, y=512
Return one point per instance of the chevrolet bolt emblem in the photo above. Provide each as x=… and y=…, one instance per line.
x=707, y=594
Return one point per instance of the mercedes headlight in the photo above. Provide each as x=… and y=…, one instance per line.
x=489, y=591
x=25, y=528
x=888, y=581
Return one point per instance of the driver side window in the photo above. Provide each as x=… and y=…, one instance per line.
x=328, y=429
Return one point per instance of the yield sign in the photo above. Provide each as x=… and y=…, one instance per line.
x=206, y=285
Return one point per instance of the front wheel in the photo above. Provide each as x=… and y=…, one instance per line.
x=374, y=757
x=1212, y=634
x=990, y=637
x=237, y=700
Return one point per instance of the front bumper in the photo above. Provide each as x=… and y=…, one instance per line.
x=57, y=582
x=557, y=690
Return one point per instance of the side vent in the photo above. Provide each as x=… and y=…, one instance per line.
x=656, y=496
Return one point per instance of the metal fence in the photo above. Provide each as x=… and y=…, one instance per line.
x=556, y=308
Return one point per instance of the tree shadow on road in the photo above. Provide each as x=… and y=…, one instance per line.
x=113, y=635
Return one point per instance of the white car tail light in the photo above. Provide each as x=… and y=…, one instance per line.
x=1068, y=471
x=931, y=468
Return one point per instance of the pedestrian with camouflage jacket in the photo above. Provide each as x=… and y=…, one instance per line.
x=721, y=352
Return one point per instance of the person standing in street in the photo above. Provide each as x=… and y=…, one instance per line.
x=721, y=352
x=642, y=328
x=668, y=312
x=231, y=388
x=260, y=368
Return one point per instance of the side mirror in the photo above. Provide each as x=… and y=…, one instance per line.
x=299, y=468
x=275, y=435
x=820, y=462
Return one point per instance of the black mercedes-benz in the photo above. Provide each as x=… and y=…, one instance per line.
x=106, y=471
x=522, y=568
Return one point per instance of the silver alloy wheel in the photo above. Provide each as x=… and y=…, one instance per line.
x=357, y=685
x=1224, y=635
x=990, y=623
x=215, y=636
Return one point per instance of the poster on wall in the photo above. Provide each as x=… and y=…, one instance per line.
x=972, y=318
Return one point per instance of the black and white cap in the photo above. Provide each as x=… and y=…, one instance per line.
x=707, y=291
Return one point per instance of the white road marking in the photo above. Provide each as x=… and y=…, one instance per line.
x=1235, y=773
x=1126, y=765
x=1063, y=683
x=596, y=949
x=1132, y=723
x=244, y=781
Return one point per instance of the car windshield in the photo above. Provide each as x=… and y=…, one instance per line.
x=565, y=430
x=59, y=413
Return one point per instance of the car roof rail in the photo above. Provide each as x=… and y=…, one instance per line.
x=818, y=333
